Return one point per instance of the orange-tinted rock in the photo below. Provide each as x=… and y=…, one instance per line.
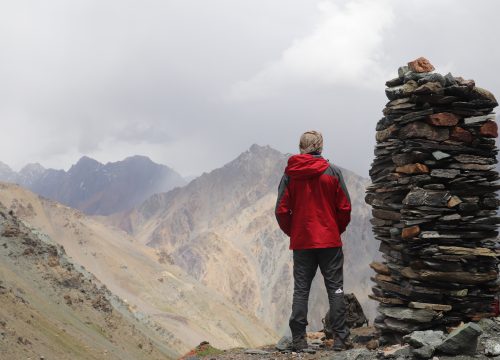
x=385, y=134
x=386, y=278
x=413, y=169
x=380, y=268
x=489, y=129
x=410, y=232
x=443, y=119
x=454, y=201
x=420, y=65
x=459, y=134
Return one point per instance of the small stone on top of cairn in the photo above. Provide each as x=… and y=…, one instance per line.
x=434, y=202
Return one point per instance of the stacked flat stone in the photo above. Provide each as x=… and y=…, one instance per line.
x=434, y=202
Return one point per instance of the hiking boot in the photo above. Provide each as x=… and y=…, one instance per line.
x=299, y=343
x=341, y=345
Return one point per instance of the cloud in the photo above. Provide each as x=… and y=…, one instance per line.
x=344, y=48
x=110, y=79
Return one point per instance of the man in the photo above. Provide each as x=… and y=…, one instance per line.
x=313, y=208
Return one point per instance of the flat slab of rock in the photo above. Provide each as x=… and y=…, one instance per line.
x=380, y=268
x=445, y=173
x=386, y=214
x=456, y=250
x=460, y=277
x=479, y=119
x=435, y=307
x=403, y=313
x=386, y=300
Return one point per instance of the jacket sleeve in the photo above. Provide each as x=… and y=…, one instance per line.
x=282, y=211
x=342, y=203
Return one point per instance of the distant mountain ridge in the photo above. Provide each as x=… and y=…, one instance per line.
x=221, y=229
x=96, y=188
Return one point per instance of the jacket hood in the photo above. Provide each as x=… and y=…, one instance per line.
x=305, y=166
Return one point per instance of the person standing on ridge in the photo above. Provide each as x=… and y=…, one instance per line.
x=313, y=208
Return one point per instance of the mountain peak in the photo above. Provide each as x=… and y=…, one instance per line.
x=87, y=160
x=257, y=147
x=85, y=164
x=257, y=152
x=262, y=149
x=33, y=168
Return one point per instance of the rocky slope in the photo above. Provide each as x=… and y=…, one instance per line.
x=96, y=188
x=51, y=308
x=221, y=229
x=145, y=278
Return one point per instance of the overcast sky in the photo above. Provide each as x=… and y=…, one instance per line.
x=192, y=84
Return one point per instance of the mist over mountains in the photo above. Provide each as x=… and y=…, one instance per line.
x=96, y=188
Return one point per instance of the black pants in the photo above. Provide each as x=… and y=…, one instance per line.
x=305, y=264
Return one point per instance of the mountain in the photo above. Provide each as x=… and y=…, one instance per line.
x=95, y=188
x=30, y=174
x=156, y=290
x=221, y=229
x=6, y=173
x=51, y=308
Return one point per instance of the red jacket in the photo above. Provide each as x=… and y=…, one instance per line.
x=313, y=205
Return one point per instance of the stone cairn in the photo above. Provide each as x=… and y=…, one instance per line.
x=434, y=202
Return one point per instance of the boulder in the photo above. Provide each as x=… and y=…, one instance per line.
x=418, y=339
x=492, y=347
x=461, y=341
